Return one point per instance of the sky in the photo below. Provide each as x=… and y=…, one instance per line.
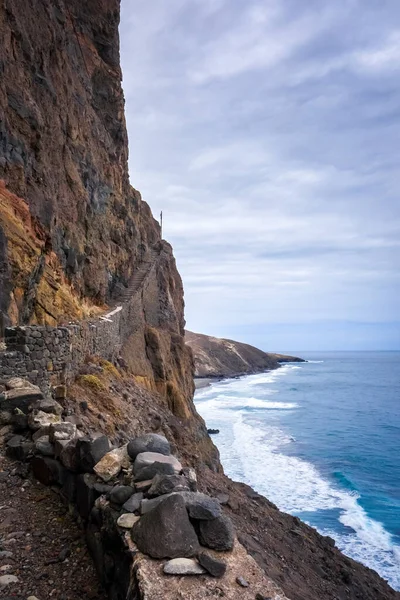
x=268, y=133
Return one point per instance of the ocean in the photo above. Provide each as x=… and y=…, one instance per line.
x=321, y=440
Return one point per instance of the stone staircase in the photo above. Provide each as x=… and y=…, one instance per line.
x=139, y=276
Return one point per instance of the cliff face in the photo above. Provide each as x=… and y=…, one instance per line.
x=63, y=158
x=217, y=357
x=73, y=232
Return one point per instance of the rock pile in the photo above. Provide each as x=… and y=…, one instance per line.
x=139, y=489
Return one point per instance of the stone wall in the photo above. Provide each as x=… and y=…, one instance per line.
x=48, y=355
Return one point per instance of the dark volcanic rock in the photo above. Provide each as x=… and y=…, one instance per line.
x=86, y=493
x=19, y=448
x=217, y=534
x=151, y=471
x=120, y=493
x=215, y=567
x=200, y=506
x=20, y=398
x=48, y=470
x=91, y=449
x=133, y=503
x=165, y=484
x=166, y=531
x=151, y=442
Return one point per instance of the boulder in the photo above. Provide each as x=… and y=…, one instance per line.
x=44, y=446
x=200, y=506
x=166, y=531
x=215, y=567
x=165, y=484
x=218, y=534
x=121, y=493
x=127, y=521
x=48, y=470
x=112, y=463
x=62, y=431
x=38, y=419
x=17, y=383
x=20, y=398
x=151, y=442
x=183, y=566
x=152, y=470
x=91, y=450
x=19, y=448
x=47, y=405
x=133, y=502
x=147, y=459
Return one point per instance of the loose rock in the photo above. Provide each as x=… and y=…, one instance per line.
x=7, y=580
x=201, y=506
x=133, y=503
x=121, y=493
x=111, y=463
x=43, y=446
x=47, y=405
x=91, y=450
x=166, y=531
x=151, y=442
x=62, y=431
x=216, y=568
x=157, y=468
x=183, y=566
x=146, y=459
x=217, y=534
x=38, y=419
x=127, y=520
x=242, y=582
x=165, y=484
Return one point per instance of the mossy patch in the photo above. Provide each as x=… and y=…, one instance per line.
x=92, y=381
x=109, y=368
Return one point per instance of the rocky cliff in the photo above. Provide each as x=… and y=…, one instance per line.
x=74, y=239
x=73, y=232
x=217, y=357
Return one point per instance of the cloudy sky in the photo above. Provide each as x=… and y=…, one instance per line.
x=268, y=132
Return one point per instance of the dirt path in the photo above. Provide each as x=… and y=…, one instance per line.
x=40, y=543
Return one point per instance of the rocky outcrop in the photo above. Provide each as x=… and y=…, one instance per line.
x=63, y=156
x=217, y=357
x=184, y=526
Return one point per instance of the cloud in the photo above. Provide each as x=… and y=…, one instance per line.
x=268, y=134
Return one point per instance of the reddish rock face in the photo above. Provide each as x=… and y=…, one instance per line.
x=63, y=141
x=72, y=229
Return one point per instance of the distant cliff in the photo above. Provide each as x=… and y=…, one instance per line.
x=217, y=357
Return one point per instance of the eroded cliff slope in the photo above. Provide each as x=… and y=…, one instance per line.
x=217, y=357
x=73, y=232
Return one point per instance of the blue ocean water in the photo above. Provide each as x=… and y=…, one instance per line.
x=322, y=441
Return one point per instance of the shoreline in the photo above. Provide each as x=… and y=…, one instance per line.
x=204, y=382
x=201, y=382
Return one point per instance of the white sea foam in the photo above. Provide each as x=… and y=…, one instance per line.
x=296, y=486
x=255, y=456
x=224, y=401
